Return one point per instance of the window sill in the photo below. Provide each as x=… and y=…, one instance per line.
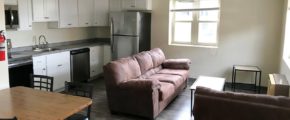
x=198, y=46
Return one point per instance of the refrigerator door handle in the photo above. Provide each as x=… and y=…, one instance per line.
x=112, y=37
x=137, y=45
x=125, y=35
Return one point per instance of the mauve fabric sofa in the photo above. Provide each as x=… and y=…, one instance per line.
x=145, y=83
x=216, y=105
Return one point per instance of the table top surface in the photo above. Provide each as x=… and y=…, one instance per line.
x=278, y=79
x=214, y=83
x=29, y=104
x=247, y=68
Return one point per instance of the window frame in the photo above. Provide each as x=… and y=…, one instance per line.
x=194, y=25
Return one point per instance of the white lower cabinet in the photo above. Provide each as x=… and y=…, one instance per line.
x=107, y=54
x=96, y=60
x=39, y=65
x=56, y=65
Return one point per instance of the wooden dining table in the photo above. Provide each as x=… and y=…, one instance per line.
x=29, y=104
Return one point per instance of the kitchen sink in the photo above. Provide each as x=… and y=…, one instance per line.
x=44, y=49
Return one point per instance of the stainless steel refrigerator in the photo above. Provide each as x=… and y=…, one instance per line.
x=130, y=33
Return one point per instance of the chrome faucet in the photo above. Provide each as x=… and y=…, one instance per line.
x=45, y=45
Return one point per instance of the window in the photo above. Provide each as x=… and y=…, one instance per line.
x=194, y=22
x=286, y=50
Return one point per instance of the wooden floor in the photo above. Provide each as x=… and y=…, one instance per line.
x=179, y=109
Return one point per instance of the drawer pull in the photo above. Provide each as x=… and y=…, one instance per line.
x=68, y=24
x=59, y=65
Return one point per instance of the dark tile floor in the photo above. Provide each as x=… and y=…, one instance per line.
x=179, y=109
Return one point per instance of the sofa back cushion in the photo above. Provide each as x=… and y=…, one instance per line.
x=121, y=69
x=145, y=61
x=157, y=56
x=256, y=98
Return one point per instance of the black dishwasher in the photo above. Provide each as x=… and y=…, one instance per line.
x=80, y=65
x=20, y=75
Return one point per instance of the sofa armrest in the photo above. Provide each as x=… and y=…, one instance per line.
x=140, y=84
x=177, y=64
x=139, y=97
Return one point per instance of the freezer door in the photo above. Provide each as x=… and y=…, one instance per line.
x=125, y=23
x=124, y=46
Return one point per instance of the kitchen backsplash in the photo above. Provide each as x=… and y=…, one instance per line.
x=25, y=38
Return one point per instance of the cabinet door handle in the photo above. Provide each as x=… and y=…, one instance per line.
x=43, y=69
x=69, y=24
x=87, y=23
x=132, y=6
x=59, y=65
x=29, y=25
x=46, y=17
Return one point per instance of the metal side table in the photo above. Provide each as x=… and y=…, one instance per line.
x=246, y=68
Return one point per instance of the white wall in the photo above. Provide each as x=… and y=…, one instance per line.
x=4, y=80
x=25, y=38
x=250, y=34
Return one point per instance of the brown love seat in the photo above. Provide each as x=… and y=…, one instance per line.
x=216, y=105
x=145, y=83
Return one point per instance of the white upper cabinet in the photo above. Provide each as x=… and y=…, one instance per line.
x=101, y=12
x=137, y=4
x=68, y=13
x=115, y=5
x=45, y=10
x=51, y=10
x=10, y=2
x=85, y=12
x=25, y=14
x=82, y=13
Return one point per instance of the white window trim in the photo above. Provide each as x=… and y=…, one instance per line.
x=194, y=36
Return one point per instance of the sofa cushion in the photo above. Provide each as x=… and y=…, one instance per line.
x=157, y=56
x=176, y=80
x=166, y=90
x=145, y=61
x=130, y=67
x=150, y=72
x=182, y=73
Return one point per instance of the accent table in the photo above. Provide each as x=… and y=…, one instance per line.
x=246, y=68
x=214, y=83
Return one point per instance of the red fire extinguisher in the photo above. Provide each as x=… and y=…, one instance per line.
x=2, y=46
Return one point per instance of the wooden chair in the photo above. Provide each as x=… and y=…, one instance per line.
x=14, y=118
x=42, y=82
x=83, y=90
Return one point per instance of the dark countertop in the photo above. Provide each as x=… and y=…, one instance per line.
x=23, y=56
